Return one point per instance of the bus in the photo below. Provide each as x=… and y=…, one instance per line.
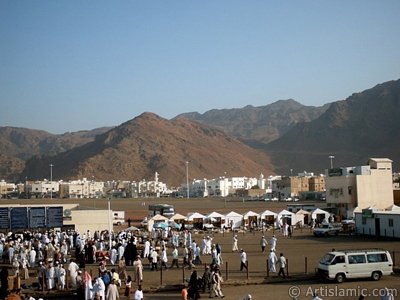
x=165, y=210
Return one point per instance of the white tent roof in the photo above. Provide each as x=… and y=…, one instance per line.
x=250, y=214
x=178, y=217
x=285, y=213
x=195, y=215
x=159, y=218
x=303, y=212
x=319, y=211
x=268, y=213
x=215, y=214
x=233, y=214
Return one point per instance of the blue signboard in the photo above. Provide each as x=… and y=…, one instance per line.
x=37, y=217
x=54, y=216
x=4, y=218
x=18, y=218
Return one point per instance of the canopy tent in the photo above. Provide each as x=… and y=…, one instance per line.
x=159, y=218
x=197, y=219
x=216, y=219
x=154, y=221
x=178, y=218
x=303, y=217
x=251, y=218
x=233, y=220
x=286, y=216
x=320, y=215
x=268, y=217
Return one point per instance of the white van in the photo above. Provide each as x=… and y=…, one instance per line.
x=368, y=263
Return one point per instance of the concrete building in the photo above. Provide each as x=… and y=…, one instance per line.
x=45, y=188
x=379, y=223
x=6, y=188
x=362, y=186
x=294, y=186
x=81, y=189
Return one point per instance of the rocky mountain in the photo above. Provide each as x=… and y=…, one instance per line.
x=261, y=124
x=19, y=144
x=147, y=144
x=364, y=125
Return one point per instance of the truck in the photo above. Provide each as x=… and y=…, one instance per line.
x=119, y=217
x=327, y=229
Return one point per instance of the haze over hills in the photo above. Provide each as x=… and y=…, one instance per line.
x=364, y=125
x=283, y=135
x=19, y=144
x=259, y=124
x=137, y=149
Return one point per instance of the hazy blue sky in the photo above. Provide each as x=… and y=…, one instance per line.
x=75, y=65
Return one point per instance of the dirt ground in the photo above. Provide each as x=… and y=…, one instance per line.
x=303, y=252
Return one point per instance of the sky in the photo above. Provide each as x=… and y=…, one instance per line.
x=78, y=65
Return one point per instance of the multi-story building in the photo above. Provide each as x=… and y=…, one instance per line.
x=6, y=188
x=360, y=187
x=297, y=186
x=81, y=189
x=222, y=186
x=45, y=188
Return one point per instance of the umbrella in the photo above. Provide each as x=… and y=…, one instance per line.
x=160, y=225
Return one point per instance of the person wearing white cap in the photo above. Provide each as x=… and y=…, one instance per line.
x=235, y=243
x=273, y=242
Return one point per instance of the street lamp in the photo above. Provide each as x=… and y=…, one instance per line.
x=51, y=180
x=187, y=178
x=109, y=224
x=331, y=157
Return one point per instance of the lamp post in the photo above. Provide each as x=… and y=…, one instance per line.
x=109, y=224
x=187, y=178
x=51, y=180
x=331, y=157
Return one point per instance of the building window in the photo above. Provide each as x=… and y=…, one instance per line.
x=349, y=188
x=390, y=222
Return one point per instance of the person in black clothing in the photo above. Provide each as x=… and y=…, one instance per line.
x=4, y=282
x=193, y=291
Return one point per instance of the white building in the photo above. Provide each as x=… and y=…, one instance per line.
x=81, y=189
x=223, y=186
x=6, y=188
x=379, y=223
x=362, y=186
x=45, y=188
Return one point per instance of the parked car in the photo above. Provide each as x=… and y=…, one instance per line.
x=327, y=229
x=363, y=263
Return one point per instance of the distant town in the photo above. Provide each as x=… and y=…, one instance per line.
x=345, y=189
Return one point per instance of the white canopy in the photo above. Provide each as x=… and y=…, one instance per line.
x=177, y=217
x=287, y=214
x=303, y=216
x=155, y=220
x=215, y=214
x=266, y=213
x=319, y=211
x=250, y=214
x=159, y=218
x=196, y=215
x=233, y=219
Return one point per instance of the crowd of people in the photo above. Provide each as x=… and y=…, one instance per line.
x=58, y=260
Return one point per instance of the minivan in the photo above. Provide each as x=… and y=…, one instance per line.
x=367, y=263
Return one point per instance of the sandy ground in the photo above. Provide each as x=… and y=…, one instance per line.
x=303, y=246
